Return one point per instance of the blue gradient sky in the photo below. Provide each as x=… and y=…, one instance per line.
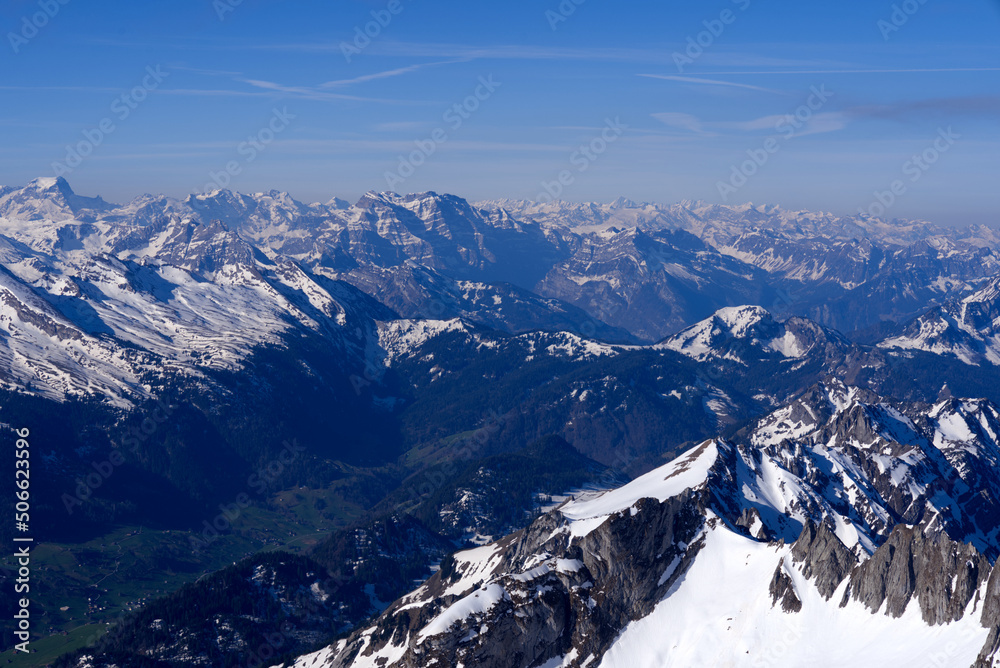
x=353, y=120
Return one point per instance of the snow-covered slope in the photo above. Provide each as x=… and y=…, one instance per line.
x=840, y=530
x=49, y=198
x=741, y=332
x=402, y=338
x=163, y=284
x=839, y=271
x=722, y=613
x=968, y=329
x=110, y=309
x=721, y=225
x=621, y=271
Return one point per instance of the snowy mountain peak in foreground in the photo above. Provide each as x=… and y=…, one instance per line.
x=835, y=524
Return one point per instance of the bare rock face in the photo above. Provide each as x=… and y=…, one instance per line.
x=823, y=557
x=579, y=597
x=991, y=620
x=752, y=523
x=782, y=590
x=990, y=647
x=991, y=601
x=941, y=574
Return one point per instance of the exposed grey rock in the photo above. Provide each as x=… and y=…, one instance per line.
x=628, y=564
x=910, y=565
x=823, y=557
x=990, y=619
x=750, y=521
x=783, y=590
x=990, y=647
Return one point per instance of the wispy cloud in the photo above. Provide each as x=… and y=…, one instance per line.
x=420, y=50
x=818, y=123
x=466, y=52
x=324, y=147
x=315, y=93
x=681, y=121
x=201, y=70
x=266, y=89
x=322, y=91
x=364, y=78
x=370, y=77
x=399, y=126
x=711, y=82
x=984, y=107
x=470, y=52
x=213, y=92
x=865, y=71
x=76, y=89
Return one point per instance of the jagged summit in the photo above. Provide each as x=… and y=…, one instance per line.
x=50, y=197
x=967, y=328
x=826, y=485
x=627, y=273
x=837, y=517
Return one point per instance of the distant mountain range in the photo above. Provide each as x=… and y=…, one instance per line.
x=113, y=292
x=807, y=403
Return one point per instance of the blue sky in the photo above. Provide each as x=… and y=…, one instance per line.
x=562, y=75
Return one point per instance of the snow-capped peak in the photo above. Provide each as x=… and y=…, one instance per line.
x=808, y=551
x=739, y=333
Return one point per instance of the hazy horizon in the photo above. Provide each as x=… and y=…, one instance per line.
x=991, y=222
x=823, y=108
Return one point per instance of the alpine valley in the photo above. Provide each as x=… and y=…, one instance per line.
x=419, y=431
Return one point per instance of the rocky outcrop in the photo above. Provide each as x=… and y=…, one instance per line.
x=823, y=558
x=548, y=594
x=942, y=575
x=991, y=619
x=783, y=590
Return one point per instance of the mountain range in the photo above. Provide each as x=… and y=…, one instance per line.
x=467, y=389
x=838, y=527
